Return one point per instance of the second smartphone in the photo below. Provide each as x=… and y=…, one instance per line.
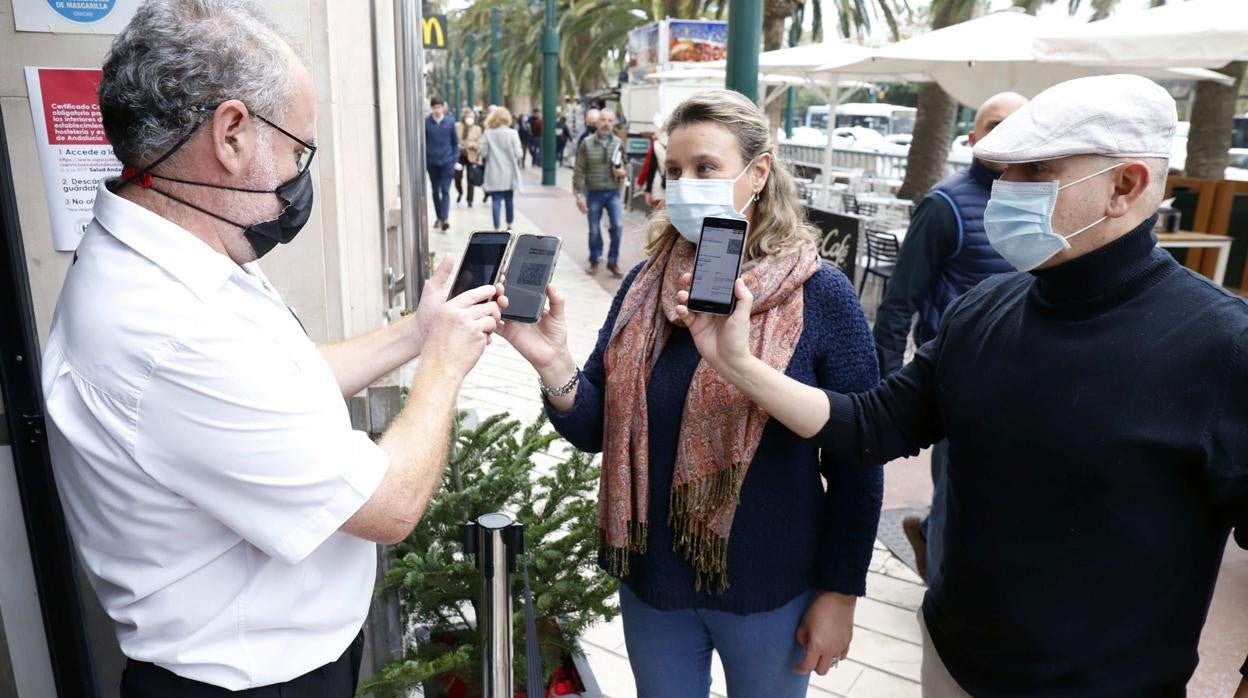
x=532, y=264
x=717, y=265
x=482, y=263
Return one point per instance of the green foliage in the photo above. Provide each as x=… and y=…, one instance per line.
x=492, y=468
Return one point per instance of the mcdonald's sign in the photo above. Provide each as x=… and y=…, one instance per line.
x=434, y=30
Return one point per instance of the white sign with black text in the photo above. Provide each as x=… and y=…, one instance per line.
x=73, y=16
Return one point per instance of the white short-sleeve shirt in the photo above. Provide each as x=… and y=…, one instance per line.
x=204, y=458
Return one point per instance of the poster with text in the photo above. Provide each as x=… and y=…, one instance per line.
x=74, y=154
x=73, y=16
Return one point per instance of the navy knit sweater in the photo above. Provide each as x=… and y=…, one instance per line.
x=789, y=536
x=1097, y=418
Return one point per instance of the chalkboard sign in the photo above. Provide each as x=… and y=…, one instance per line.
x=839, y=237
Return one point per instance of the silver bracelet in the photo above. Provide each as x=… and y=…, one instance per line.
x=563, y=389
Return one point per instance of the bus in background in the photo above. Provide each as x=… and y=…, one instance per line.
x=887, y=119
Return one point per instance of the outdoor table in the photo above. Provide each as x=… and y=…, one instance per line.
x=1183, y=238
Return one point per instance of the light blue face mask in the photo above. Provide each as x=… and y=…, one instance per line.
x=1019, y=221
x=691, y=200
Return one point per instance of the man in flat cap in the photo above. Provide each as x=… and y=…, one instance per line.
x=1096, y=409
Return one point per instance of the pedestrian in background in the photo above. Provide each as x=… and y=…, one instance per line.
x=469, y=133
x=535, y=136
x=945, y=254
x=561, y=137
x=653, y=176
x=441, y=154
x=525, y=132
x=596, y=183
x=591, y=127
x=502, y=152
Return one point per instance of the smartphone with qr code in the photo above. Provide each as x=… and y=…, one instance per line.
x=482, y=262
x=533, y=259
x=717, y=264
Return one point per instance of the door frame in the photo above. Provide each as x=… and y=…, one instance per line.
x=51, y=550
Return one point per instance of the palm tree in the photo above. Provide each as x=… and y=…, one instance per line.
x=1209, y=137
x=933, y=123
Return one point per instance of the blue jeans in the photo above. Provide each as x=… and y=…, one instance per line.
x=497, y=199
x=440, y=178
x=597, y=201
x=670, y=651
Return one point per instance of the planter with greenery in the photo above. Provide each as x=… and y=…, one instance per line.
x=494, y=467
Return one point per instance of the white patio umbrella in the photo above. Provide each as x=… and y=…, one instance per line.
x=1205, y=33
x=978, y=58
x=705, y=74
x=800, y=60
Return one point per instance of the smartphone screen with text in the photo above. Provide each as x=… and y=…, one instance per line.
x=717, y=265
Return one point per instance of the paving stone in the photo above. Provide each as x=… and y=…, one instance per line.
x=898, y=570
x=886, y=653
x=838, y=681
x=887, y=619
x=877, y=684
x=895, y=591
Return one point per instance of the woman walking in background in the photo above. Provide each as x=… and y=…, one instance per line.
x=469, y=150
x=501, y=150
x=711, y=512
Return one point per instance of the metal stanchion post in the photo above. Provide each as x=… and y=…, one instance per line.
x=495, y=539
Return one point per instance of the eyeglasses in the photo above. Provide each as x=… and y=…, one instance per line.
x=303, y=159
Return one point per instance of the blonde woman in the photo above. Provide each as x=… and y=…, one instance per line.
x=501, y=150
x=469, y=132
x=712, y=513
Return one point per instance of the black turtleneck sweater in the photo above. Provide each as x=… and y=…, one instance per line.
x=1097, y=418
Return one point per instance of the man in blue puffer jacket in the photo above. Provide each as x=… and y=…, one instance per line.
x=945, y=254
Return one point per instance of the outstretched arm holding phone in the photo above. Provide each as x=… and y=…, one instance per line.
x=895, y=419
x=359, y=361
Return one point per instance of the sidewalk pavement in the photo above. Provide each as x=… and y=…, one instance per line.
x=885, y=655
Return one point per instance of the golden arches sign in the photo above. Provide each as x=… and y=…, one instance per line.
x=434, y=30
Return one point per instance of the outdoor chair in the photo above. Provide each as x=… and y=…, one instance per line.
x=882, y=251
x=849, y=203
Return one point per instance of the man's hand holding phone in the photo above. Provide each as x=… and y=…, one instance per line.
x=459, y=328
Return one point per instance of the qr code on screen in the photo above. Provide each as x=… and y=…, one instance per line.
x=532, y=274
x=734, y=246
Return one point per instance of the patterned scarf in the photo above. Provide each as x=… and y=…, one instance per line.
x=720, y=429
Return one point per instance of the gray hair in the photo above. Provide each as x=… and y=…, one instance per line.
x=178, y=57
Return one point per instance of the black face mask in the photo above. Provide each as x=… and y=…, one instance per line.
x=296, y=193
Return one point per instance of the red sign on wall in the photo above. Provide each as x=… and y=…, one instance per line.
x=71, y=106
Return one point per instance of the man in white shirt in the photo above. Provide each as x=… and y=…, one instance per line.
x=222, y=505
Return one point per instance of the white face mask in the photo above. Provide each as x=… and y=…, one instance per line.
x=1019, y=221
x=470, y=121
x=688, y=201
